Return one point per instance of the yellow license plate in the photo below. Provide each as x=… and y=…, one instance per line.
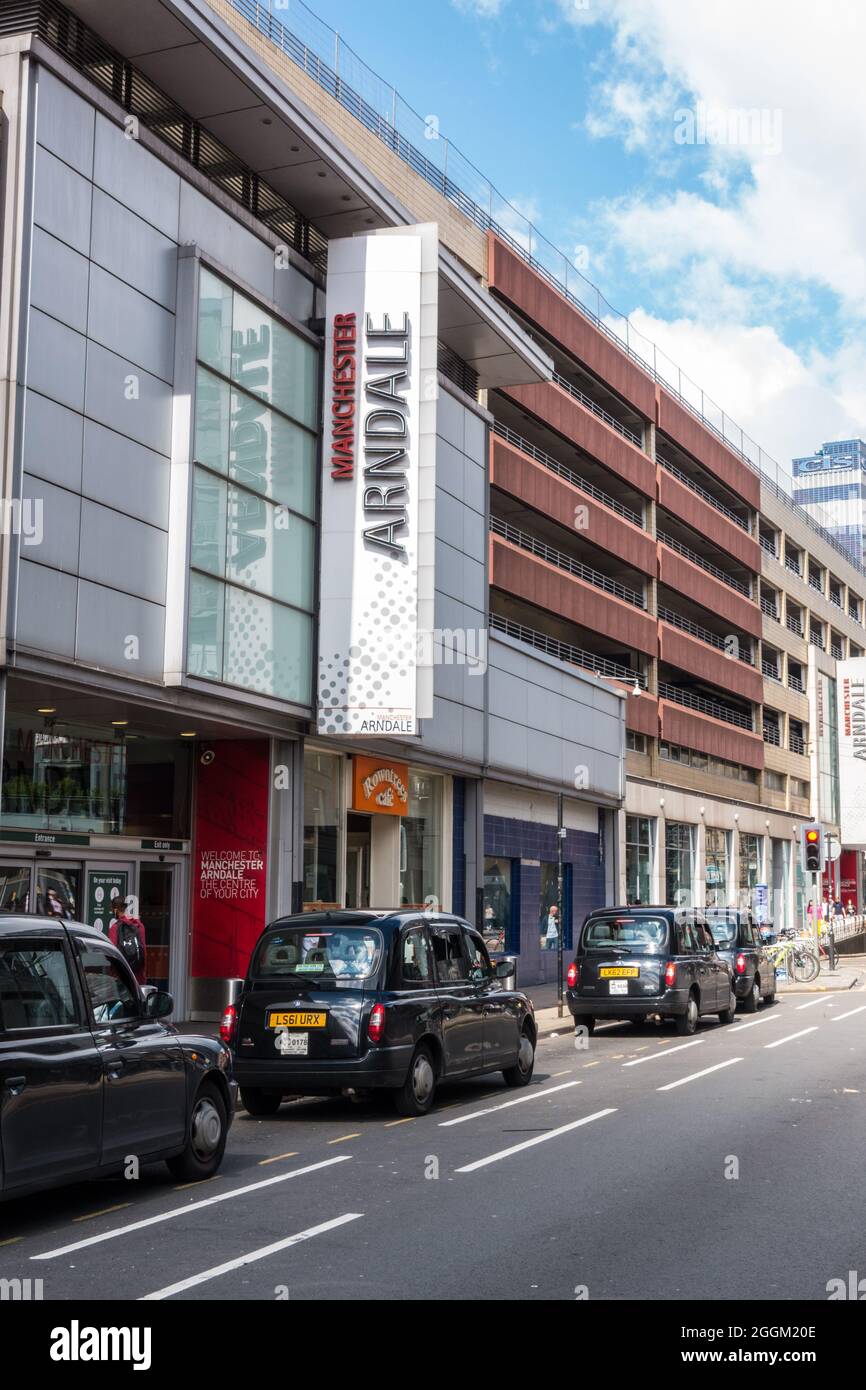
x=619, y=972
x=297, y=1020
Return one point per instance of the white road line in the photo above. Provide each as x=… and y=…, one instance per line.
x=536, y=1094
x=191, y=1206
x=792, y=1036
x=767, y=1018
x=668, y=1052
x=529, y=1143
x=837, y=1018
x=812, y=1002
x=249, y=1259
x=672, y=1085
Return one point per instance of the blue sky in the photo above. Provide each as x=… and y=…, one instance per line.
x=737, y=245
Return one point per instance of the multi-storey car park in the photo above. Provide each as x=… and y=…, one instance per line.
x=652, y=653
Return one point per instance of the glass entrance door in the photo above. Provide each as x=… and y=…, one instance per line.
x=15, y=887
x=357, y=860
x=155, y=894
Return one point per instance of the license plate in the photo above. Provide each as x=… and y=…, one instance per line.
x=292, y=1044
x=619, y=986
x=619, y=972
x=297, y=1020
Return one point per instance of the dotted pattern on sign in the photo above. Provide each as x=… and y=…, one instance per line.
x=360, y=677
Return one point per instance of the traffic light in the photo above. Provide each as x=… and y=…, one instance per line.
x=812, y=840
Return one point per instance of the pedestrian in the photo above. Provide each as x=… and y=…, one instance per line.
x=849, y=910
x=127, y=934
x=551, y=935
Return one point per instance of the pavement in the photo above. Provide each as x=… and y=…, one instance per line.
x=637, y=1165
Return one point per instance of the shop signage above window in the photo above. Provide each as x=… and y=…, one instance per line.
x=378, y=488
x=380, y=787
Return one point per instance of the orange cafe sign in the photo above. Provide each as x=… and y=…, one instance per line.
x=381, y=787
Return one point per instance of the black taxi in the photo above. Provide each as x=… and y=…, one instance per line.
x=354, y=1001
x=641, y=962
x=738, y=939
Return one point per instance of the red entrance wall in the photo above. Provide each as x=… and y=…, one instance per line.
x=230, y=843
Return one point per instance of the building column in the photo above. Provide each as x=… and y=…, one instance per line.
x=473, y=849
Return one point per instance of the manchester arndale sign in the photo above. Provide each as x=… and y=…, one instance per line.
x=378, y=483
x=851, y=698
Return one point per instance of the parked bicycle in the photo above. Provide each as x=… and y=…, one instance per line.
x=791, y=953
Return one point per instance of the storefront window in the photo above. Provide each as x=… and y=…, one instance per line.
x=716, y=855
x=68, y=777
x=253, y=534
x=323, y=778
x=549, y=913
x=638, y=860
x=679, y=864
x=749, y=867
x=421, y=842
x=497, y=904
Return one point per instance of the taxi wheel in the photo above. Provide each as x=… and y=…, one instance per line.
x=258, y=1102
x=206, y=1137
x=415, y=1096
x=753, y=998
x=521, y=1073
x=729, y=1014
x=687, y=1023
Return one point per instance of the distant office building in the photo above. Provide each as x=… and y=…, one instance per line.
x=831, y=485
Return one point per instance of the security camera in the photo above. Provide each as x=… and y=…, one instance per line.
x=207, y=757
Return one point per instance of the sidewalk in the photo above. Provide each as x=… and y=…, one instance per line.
x=850, y=973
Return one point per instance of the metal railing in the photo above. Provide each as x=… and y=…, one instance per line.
x=795, y=683
x=704, y=564
x=796, y=744
x=771, y=671
x=837, y=652
x=772, y=735
x=564, y=471
x=452, y=366
x=742, y=653
x=836, y=599
x=815, y=582
x=714, y=708
x=817, y=640
x=565, y=562
x=794, y=625
x=566, y=651
x=768, y=607
x=793, y=565
x=589, y=404
x=702, y=493
x=769, y=546
x=854, y=612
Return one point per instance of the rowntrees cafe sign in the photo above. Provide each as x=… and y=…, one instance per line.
x=851, y=698
x=378, y=485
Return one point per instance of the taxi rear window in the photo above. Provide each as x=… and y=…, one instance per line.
x=342, y=954
x=628, y=933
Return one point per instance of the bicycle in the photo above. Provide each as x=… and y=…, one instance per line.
x=791, y=954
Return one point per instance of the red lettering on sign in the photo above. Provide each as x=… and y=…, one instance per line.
x=343, y=396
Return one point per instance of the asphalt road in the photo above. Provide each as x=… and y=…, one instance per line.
x=727, y=1166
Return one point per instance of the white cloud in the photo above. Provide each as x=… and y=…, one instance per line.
x=482, y=9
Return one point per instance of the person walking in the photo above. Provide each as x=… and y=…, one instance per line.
x=127, y=934
x=551, y=936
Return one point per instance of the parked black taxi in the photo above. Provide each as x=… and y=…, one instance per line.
x=638, y=962
x=90, y=1074
x=738, y=940
x=348, y=1001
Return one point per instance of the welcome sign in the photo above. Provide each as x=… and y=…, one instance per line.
x=378, y=485
x=851, y=699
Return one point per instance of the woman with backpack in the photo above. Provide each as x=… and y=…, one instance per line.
x=127, y=934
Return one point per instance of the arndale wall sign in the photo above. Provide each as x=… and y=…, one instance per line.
x=378, y=488
x=851, y=699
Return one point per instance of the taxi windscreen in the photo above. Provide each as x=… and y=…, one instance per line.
x=639, y=934
x=346, y=955
x=724, y=930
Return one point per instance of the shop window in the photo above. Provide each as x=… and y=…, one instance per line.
x=323, y=778
x=638, y=860
x=679, y=864
x=498, y=928
x=716, y=867
x=549, y=908
x=749, y=867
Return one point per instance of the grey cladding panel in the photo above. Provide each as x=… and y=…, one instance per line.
x=55, y=360
x=56, y=513
x=133, y=250
x=58, y=280
x=61, y=202
x=125, y=475
x=64, y=123
x=46, y=609
x=52, y=441
x=111, y=386
x=131, y=324
x=107, y=624
x=123, y=553
x=135, y=177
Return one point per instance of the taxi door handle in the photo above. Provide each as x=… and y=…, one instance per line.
x=15, y=1084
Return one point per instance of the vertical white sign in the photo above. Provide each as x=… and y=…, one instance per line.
x=851, y=701
x=378, y=482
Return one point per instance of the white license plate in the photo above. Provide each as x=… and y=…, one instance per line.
x=293, y=1044
x=619, y=986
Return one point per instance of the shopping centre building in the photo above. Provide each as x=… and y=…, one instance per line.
x=345, y=550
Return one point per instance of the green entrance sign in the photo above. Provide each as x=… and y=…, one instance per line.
x=43, y=837
x=102, y=888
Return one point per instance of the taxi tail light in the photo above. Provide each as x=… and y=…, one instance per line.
x=573, y=976
x=671, y=974
x=376, y=1024
x=741, y=963
x=229, y=1023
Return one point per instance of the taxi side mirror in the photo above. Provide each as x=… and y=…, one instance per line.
x=502, y=969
